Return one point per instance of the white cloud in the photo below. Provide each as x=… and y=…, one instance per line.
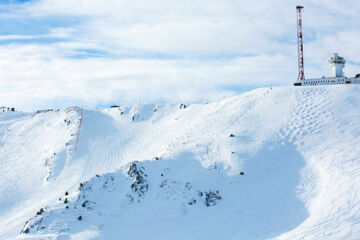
x=145, y=51
x=53, y=33
x=17, y=37
x=31, y=73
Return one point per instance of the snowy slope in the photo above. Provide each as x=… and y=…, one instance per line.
x=281, y=163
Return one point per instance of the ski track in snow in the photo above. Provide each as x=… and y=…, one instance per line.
x=331, y=174
x=298, y=147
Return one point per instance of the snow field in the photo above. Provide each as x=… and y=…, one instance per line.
x=173, y=172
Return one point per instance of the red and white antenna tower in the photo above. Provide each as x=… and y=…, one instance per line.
x=300, y=44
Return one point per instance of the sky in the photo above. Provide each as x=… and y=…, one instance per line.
x=95, y=53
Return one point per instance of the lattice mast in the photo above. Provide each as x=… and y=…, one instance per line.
x=301, y=75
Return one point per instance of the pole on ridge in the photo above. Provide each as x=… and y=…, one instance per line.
x=301, y=75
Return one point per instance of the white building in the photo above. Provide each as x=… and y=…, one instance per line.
x=337, y=67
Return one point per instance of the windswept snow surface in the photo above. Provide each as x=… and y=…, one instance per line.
x=281, y=163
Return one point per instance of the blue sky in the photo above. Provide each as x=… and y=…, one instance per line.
x=55, y=53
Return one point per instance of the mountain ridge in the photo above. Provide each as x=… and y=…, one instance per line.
x=285, y=156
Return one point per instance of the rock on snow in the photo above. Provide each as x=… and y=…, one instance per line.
x=279, y=163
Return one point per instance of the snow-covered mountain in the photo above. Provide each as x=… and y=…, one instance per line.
x=281, y=163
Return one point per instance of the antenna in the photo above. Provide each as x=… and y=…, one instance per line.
x=301, y=75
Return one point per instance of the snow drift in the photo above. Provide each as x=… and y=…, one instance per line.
x=279, y=163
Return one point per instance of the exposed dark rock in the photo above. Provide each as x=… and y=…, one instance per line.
x=232, y=135
x=163, y=183
x=242, y=173
x=25, y=229
x=211, y=198
x=40, y=211
x=182, y=106
x=34, y=223
x=140, y=185
x=131, y=198
x=80, y=218
x=42, y=111
x=66, y=193
x=193, y=201
x=65, y=201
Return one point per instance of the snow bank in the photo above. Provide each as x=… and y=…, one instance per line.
x=279, y=163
